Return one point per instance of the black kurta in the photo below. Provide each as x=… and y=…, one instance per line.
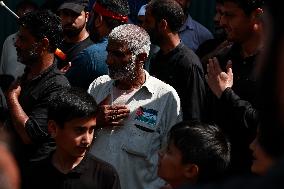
x=181, y=68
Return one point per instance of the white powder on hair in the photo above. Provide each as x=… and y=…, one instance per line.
x=135, y=37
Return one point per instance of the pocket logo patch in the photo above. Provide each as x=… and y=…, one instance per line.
x=148, y=116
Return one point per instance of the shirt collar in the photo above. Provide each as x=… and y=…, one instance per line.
x=42, y=74
x=82, y=166
x=148, y=84
x=188, y=24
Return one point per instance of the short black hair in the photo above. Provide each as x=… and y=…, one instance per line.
x=44, y=23
x=248, y=6
x=71, y=103
x=168, y=10
x=120, y=7
x=204, y=145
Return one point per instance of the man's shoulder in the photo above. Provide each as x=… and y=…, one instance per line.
x=56, y=78
x=161, y=87
x=96, y=47
x=200, y=28
x=99, y=83
x=104, y=79
x=11, y=37
x=186, y=57
x=94, y=53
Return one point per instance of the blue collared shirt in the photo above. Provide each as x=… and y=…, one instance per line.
x=193, y=34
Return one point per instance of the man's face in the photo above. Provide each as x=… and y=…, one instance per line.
x=236, y=23
x=76, y=136
x=72, y=22
x=121, y=63
x=170, y=166
x=150, y=25
x=28, y=49
x=219, y=30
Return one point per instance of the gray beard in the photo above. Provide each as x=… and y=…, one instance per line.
x=123, y=73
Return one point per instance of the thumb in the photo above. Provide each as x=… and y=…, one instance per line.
x=105, y=101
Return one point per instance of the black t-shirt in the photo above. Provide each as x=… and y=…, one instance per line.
x=181, y=68
x=90, y=173
x=34, y=99
x=73, y=49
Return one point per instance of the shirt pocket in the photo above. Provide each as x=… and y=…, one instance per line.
x=139, y=139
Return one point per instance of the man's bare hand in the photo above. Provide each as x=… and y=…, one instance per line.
x=218, y=80
x=111, y=115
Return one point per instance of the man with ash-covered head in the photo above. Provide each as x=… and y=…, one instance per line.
x=90, y=63
x=141, y=107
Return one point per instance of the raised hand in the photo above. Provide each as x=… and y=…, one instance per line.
x=218, y=80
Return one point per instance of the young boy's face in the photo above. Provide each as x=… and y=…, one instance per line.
x=75, y=138
x=262, y=161
x=170, y=166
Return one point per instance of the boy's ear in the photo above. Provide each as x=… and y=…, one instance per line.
x=52, y=128
x=191, y=172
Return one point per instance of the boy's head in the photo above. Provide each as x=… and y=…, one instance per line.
x=196, y=152
x=72, y=119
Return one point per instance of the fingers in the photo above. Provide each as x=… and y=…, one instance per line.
x=213, y=66
x=229, y=68
x=113, y=115
x=216, y=65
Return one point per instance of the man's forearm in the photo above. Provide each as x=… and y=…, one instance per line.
x=19, y=118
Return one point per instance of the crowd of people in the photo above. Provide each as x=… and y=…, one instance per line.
x=95, y=97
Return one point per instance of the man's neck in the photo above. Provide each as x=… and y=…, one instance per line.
x=169, y=43
x=76, y=39
x=38, y=67
x=129, y=84
x=252, y=46
x=64, y=162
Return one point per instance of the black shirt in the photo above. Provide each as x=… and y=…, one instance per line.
x=181, y=68
x=90, y=173
x=73, y=49
x=230, y=111
x=34, y=98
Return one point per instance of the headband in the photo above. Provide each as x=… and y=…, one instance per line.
x=104, y=12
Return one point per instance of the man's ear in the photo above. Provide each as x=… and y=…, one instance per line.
x=52, y=128
x=191, y=172
x=257, y=18
x=141, y=58
x=87, y=14
x=163, y=25
x=45, y=44
x=98, y=21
